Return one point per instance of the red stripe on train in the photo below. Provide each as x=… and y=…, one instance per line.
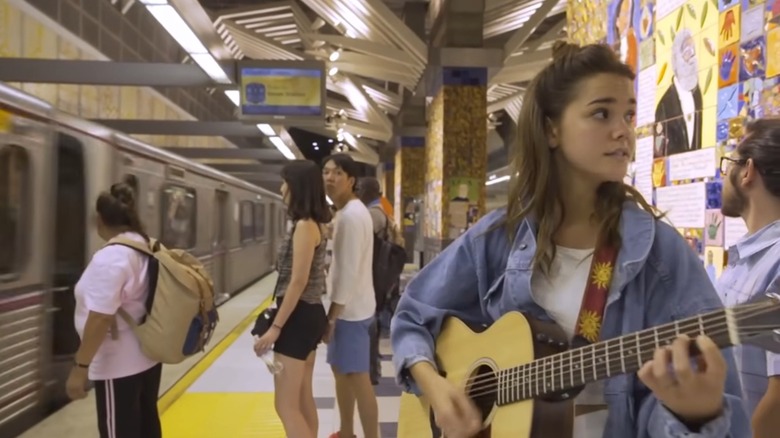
x=20, y=301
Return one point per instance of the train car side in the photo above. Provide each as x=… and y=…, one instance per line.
x=52, y=168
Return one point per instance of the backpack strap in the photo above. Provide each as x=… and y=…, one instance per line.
x=386, y=234
x=145, y=248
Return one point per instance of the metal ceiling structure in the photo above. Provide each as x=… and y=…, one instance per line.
x=374, y=56
x=375, y=62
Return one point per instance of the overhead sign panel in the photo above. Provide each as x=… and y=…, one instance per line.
x=290, y=91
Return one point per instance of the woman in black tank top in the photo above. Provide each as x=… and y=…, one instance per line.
x=301, y=320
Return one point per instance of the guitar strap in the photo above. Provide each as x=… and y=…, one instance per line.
x=594, y=300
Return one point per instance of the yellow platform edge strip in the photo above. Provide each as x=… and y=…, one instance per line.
x=180, y=387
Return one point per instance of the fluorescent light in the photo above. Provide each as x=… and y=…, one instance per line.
x=266, y=129
x=335, y=56
x=327, y=198
x=180, y=31
x=333, y=71
x=497, y=180
x=177, y=28
x=234, y=96
x=279, y=143
x=211, y=67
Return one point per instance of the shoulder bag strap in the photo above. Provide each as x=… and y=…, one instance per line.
x=286, y=253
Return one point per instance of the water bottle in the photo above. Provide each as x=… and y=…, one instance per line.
x=274, y=366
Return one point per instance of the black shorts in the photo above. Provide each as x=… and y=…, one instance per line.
x=303, y=330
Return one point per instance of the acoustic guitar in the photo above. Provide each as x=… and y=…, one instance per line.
x=523, y=376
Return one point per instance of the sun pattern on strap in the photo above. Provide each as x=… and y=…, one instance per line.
x=588, y=326
x=602, y=275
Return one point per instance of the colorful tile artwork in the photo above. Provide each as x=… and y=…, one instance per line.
x=704, y=68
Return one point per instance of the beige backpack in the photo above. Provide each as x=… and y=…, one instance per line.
x=181, y=315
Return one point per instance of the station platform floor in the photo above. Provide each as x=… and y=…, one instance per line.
x=227, y=392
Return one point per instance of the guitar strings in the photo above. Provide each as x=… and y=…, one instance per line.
x=532, y=378
x=538, y=375
x=535, y=374
x=649, y=334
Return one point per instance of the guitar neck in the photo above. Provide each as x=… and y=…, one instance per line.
x=626, y=354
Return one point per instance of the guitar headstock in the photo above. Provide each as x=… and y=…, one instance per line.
x=758, y=322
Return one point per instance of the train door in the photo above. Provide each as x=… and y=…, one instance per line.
x=22, y=282
x=70, y=254
x=219, y=244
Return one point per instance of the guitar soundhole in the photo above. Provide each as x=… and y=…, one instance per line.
x=483, y=389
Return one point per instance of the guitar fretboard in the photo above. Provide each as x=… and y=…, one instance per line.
x=626, y=354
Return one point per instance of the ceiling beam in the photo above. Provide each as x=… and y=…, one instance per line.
x=202, y=25
x=520, y=36
x=502, y=102
x=379, y=51
x=228, y=153
x=552, y=34
x=257, y=46
x=141, y=74
x=182, y=127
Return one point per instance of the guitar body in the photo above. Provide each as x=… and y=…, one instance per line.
x=463, y=353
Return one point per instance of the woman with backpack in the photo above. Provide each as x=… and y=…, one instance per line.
x=300, y=320
x=126, y=381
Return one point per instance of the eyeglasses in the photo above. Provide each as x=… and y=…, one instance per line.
x=727, y=162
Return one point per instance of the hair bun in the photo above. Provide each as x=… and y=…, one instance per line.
x=562, y=49
x=124, y=194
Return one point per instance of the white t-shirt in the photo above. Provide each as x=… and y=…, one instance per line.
x=114, y=278
x=561, y=296
x=350, y=278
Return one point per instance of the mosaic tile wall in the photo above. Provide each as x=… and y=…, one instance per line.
x=704, y=69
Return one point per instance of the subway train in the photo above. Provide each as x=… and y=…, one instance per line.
x=52, y=168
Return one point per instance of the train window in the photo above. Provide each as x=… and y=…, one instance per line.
x=179, y=211
x=247, y=221
x=14, y=197
x=260, y=221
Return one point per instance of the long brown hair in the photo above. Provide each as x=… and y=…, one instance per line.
x=535, y=190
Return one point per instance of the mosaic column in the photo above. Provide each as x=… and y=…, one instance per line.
x=455, y=155
x=409, y=178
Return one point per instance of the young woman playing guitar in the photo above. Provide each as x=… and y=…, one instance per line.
x=577, y=247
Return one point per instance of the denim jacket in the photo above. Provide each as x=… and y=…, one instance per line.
x=657, y=279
